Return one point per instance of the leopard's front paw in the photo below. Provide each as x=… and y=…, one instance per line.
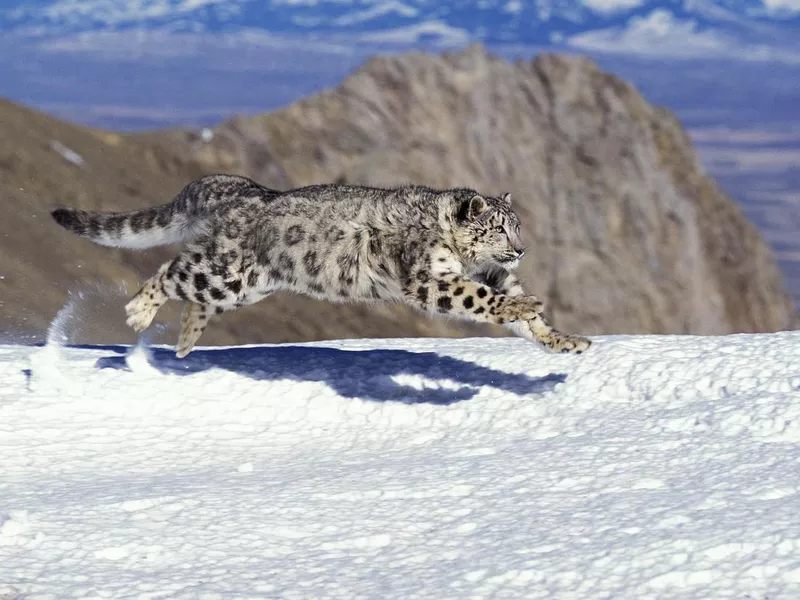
x=565, y=343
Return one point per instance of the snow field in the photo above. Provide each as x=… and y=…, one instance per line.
x=650, y=467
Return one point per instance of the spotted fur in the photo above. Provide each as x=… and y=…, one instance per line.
x=446, y=252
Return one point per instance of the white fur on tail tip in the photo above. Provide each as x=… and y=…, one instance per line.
x=157, y=236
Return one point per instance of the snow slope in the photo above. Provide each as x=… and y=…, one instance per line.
x=651, y=467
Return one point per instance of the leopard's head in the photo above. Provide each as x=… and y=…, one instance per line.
x=488, y=231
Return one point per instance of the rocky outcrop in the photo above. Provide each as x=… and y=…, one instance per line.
x=627, y=234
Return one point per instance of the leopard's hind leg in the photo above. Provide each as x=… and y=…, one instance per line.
x=209, y=283
x=142, y=308
x=173, y=281
x=193, y=324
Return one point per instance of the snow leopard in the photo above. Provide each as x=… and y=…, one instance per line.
x=446, y=252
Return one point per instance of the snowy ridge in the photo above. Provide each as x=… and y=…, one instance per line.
x=650, y=467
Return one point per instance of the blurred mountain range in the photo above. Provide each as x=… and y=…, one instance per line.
x=750, y=29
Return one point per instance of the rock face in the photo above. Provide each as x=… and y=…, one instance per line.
x=626, y=232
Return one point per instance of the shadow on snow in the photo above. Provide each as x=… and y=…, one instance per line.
x=366, y=374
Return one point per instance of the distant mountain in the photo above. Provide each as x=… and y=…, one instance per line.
x=745, y=28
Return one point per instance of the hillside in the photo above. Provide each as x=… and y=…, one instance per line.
x=650, y=467
x=627, y=234
x=37, y=263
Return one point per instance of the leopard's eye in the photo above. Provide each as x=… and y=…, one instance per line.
x=500, y=229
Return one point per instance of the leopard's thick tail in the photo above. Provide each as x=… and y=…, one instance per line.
x=183, y=219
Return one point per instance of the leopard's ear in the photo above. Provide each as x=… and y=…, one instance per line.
x=472, y=209
x=507, y=199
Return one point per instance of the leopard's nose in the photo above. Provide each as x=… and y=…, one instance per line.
x=520, y=253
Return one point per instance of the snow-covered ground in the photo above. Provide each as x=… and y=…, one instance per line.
x=650, y=467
